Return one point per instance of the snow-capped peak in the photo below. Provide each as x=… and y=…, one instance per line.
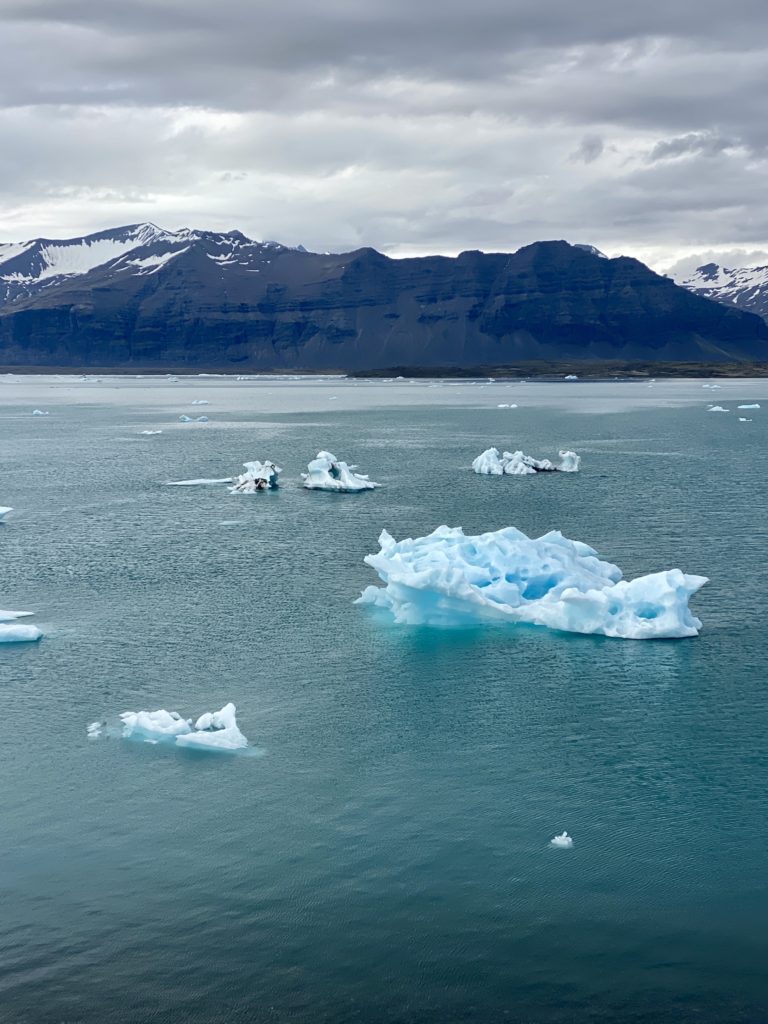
x=745, y=287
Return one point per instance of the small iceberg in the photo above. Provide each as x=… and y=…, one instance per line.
x=95, y=729
x=755, y=405
x=193, y=419
x=200, y=401
x=40, y=412
x=150, y=433
x=214, y=730
x=717, y=408
x=713, y=387
x=327, y=473
x=505, y=405
x=743, y=419
x=571, y=376
x=258, y=476
x=449, y=579
x=4, y=510
x=12, y=632
x=491, y=463
x=562, y=842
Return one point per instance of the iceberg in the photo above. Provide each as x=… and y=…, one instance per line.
x=327, y=473
x=562, y=842
x=258, y=476
x=754, y=406
x=193, y=419
x=214, y=730
x=491, y=463
x=743, y=419
x=570, y=376
x=12, y=632
x=449, y=579
x=200, y=401
x=149, y=433
x=40, y=412
x=505, y=405
x=4, y=510
x=717, y=408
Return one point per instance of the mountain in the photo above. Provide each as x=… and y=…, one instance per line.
x=744, y=287
x=142, y=297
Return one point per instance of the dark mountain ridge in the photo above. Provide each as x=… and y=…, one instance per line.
x=145, y=298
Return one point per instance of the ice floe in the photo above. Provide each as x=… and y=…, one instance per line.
x=743, y=419
x=193, y=419
x=327, y=473
x=562, y=842
x=200, y=401
x=717, y=408
x=4, y=510
x=12, y=632
x=449, y=579
x=755, y=405
x=40, y=412
x=258, y=476
x=492, y=463
x=505, y=405
x=150, y=433
x=214, y=730
x=570, y=376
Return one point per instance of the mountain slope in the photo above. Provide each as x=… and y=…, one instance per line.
x=220, y=300
x=744, y=287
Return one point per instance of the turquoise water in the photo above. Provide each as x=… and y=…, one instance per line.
x=385, y=858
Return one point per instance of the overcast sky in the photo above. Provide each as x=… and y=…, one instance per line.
x=414, y=126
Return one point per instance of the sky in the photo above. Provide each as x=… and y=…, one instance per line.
x=414, y=126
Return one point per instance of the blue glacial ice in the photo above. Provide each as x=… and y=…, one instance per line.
x=327, y=473
x=493, y=463
x=214, y=730
x=12, y=632
x=449, y=579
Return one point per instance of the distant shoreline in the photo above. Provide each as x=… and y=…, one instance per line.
x=534, y=370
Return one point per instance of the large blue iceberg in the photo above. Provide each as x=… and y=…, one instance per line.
x=448, y=579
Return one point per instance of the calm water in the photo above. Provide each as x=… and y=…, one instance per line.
x=386, y=857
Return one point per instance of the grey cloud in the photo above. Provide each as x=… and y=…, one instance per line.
x=409, y=126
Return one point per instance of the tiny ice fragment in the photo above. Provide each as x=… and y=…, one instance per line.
x=562, y=842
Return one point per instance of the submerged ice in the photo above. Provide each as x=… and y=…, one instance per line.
x=327, y=473
x=449, y=579
x=492, y=463
x=214, y=730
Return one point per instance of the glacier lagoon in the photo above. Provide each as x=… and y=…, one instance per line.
x=386, y=856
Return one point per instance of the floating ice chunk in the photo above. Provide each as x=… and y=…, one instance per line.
x=491, y=463
x=4, y=510
x=717, y=408
x=258, y=476
x=448, y=579
x=12, y=632
x=193, y=419
x=200, y=481
x=562, y=842
x=327, y=473
x=95, y=729
x=571, y=376
x=713, y=387
x=40, y=412
x=215, y=730
x=200, y=401
x=755, y=405
x=743, y=419
x=149, y=433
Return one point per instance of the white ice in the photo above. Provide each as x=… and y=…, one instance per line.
x=4, y=510
x=506, y=406
x=743, y=419
x=753, y=406
x=717, y=408
x=215, y=730
x=94, y=730
x=258, y=476
x=571, y=376
x=492, y=463
x=193, y=419
x=198, y=481
x=40, y=412
x=562, y=842
x=12, y=632
x=200, y=401
x=449, y=579
x=327, y=473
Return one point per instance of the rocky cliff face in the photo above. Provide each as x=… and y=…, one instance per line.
x=206, y=300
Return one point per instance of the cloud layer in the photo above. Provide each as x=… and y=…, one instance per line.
x=413, y=127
